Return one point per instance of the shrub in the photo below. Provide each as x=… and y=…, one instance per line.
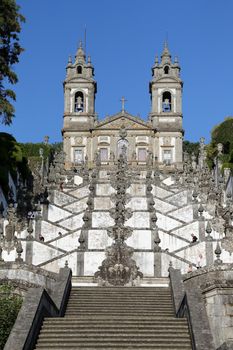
x=10, y=304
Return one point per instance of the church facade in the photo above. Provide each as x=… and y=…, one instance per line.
x=155, y=140
x=120, y=207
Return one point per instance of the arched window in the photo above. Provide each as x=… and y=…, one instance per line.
x=166, y=70
x=79, y=69
x=79, y=102
x=167, y=101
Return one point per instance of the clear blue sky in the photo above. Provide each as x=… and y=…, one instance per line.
x=123, y=37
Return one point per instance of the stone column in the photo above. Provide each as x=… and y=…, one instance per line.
x=29, y=243
x=157, y=264
x=45, y=209
x=209, y=253
x=29, y=251
x=201, y=230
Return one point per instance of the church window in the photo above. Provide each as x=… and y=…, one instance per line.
x=167, y=101
x=79, y=102
x=103, y=154
x=166, y=70
x=79, y=70
x=122, y=147
x=167, y=156
x=78, y=156
x=142, y=154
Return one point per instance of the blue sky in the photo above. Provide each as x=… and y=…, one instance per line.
x=123, y=37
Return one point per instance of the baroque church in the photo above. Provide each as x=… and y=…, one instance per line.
x=158, y=139
x=129, y=243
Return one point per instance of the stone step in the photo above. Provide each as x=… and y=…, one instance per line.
x=120, y=295
x=108, y=319
x=113, y=333
x=120, y=302
x=120, y=299
x=115, y=347
x=97, y=322
x=155, y=318
x=116, y=318
x=116, y=290
x=106, y=341
x=112, y=328
x=146, y=289
x=119, y=305
x=118, y=313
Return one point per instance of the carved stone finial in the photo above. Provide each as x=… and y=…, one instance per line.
x=157, y=240
x=208, y=230
x=218, y=252
x=153, y=219
x=201, y=210
x=87, y=219
x=19, y=250
x=30, y=230
x=90, y=203
x=81, y=240
x=151, y=204
x=66, y=264
x=195, y=195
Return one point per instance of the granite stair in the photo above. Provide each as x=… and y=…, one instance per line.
x=116, y=318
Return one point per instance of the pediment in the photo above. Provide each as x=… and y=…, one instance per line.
x=116, y=121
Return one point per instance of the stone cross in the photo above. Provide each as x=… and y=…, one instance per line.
x=123, y=100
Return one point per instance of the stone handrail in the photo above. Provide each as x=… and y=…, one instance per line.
x=189, y=303
x=37, y=305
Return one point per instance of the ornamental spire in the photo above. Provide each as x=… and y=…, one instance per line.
x=80, y=54
x=166, y=56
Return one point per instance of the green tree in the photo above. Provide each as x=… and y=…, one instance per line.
x=33, y=149
x=222, y=133
x=191, y=147
x=10, y=304
x=10, y=50
x=11, y=160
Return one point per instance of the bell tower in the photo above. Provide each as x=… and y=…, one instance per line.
x=79, y=107
x=166, y=108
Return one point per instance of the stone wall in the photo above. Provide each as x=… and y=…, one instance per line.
x=216, y=284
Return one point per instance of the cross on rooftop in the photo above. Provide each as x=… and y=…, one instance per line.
x=123, y=100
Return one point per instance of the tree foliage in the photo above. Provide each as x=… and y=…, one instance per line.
x=10, y=50
x=11, y=160
x=30, y=150
x=16, y=158
x=222, y=133
x=191, y=147
x=9, y=307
